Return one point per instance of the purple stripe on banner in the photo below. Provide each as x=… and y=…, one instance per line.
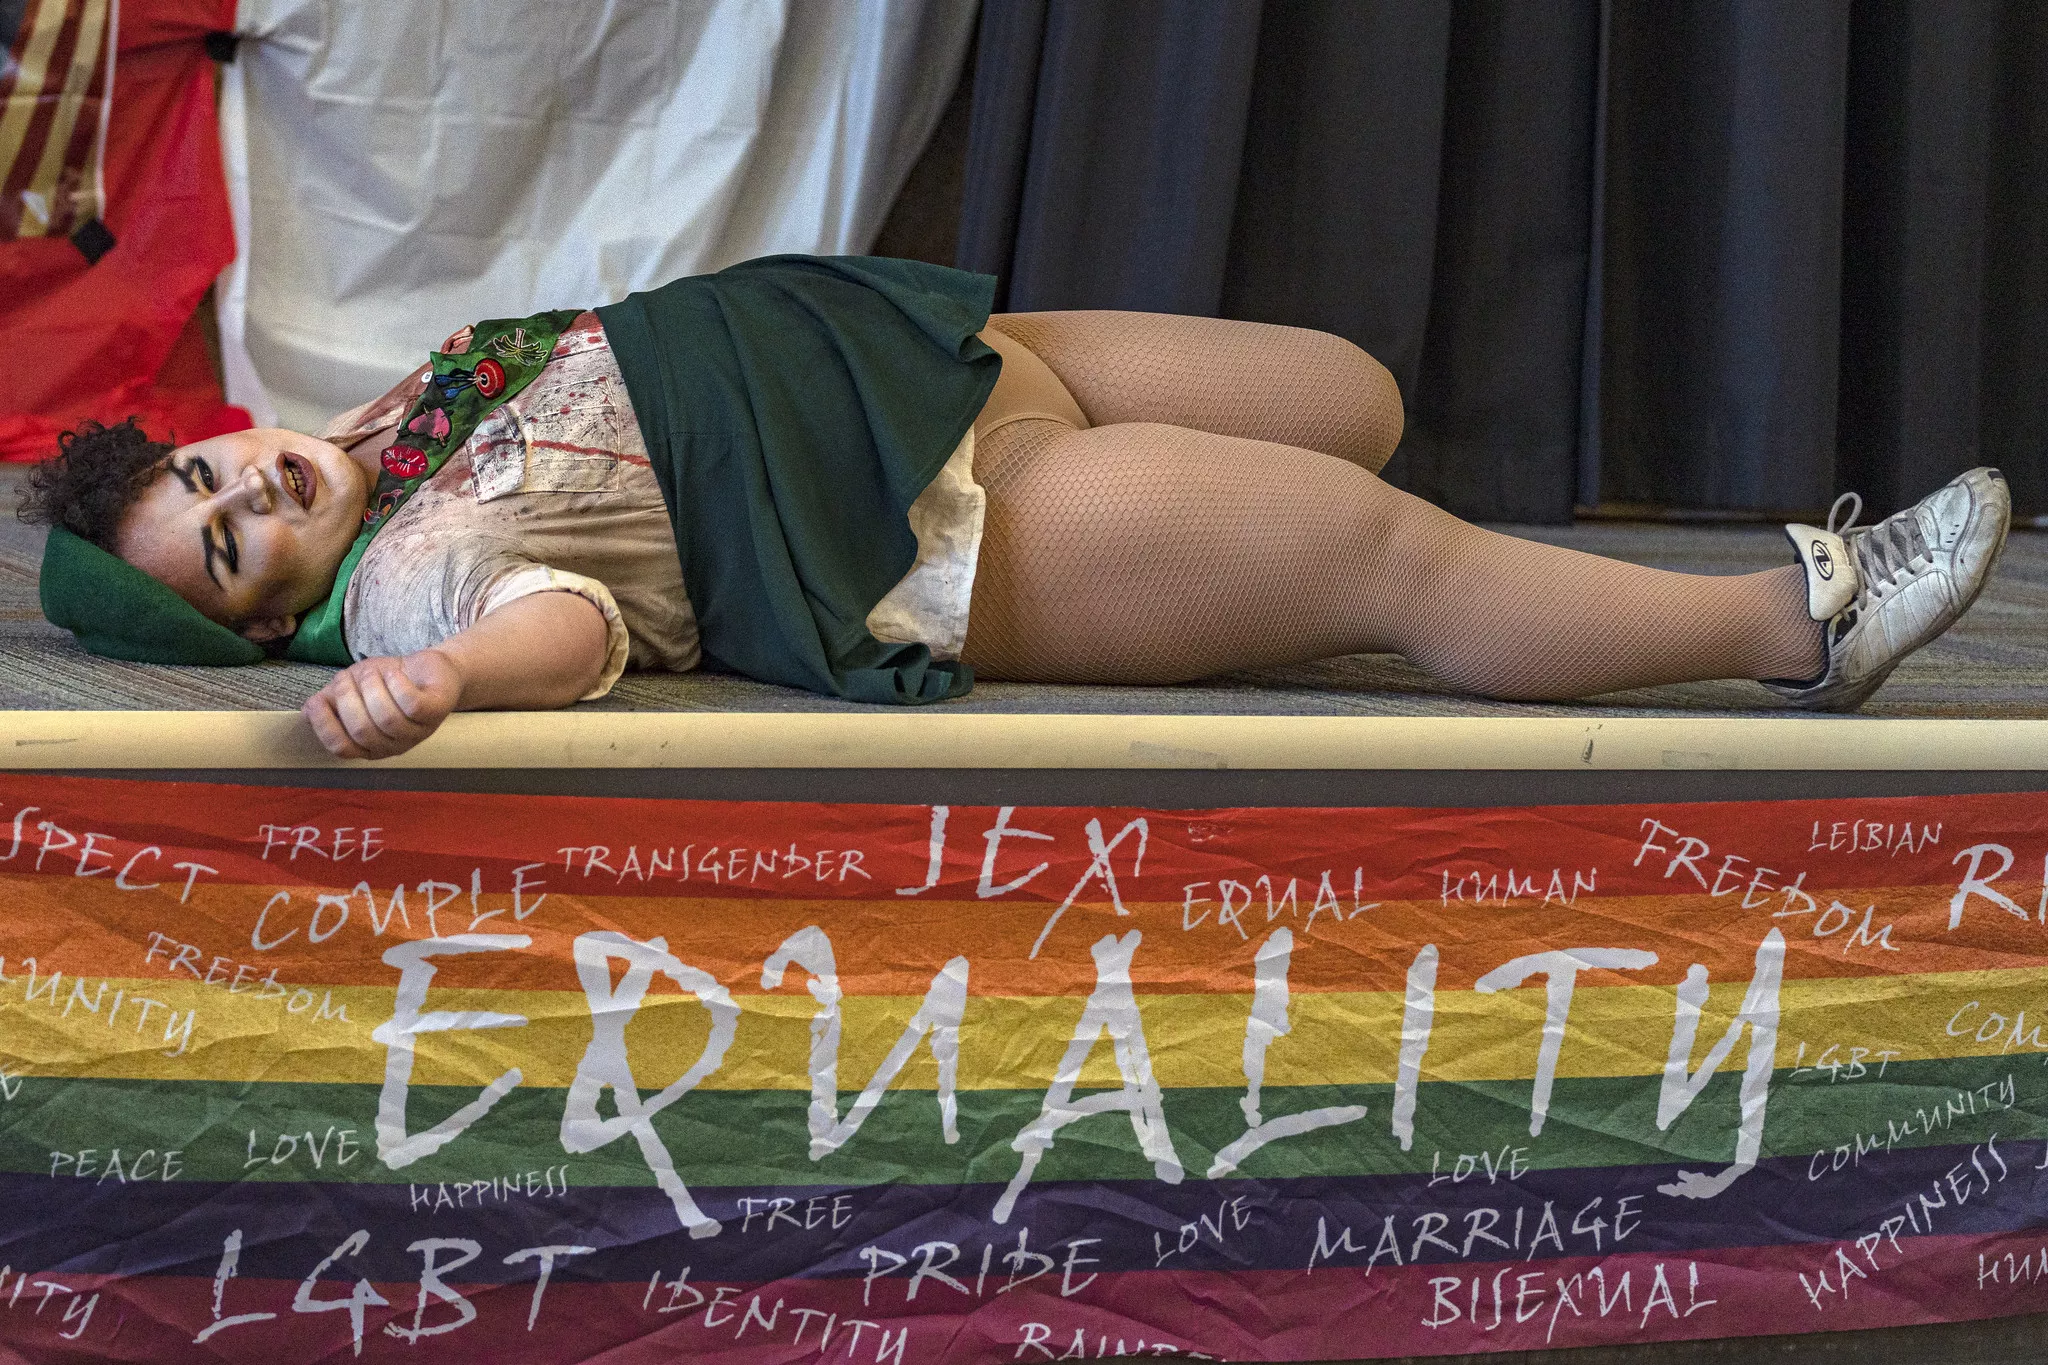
x=1198, y=1225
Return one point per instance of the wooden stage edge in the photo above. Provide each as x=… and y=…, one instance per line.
x=58, y=740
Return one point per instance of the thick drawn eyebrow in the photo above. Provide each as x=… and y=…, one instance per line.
x=208, y=550
x=206, y=542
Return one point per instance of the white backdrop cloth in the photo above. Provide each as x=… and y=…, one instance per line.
x=399, y=168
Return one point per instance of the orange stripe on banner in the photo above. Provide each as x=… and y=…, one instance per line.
x=1856, y=890
x=337, y=936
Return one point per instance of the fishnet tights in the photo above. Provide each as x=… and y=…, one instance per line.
x=1143, y=552
x=1288, y=385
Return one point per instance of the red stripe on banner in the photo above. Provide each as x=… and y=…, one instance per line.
x=1067, y=1314
x=1695, y=883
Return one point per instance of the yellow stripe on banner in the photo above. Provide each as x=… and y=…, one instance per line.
x=85, y=56
x=20, y=108
x=158, y=1029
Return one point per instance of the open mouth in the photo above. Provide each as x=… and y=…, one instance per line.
x=298, y=478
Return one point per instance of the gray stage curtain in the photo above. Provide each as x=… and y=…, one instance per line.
x=1722, y=254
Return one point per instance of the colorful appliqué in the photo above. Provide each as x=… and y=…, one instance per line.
x=461, y=390
x=405, y=462
x=449, y=385
x=383, y=506
x=520, y=349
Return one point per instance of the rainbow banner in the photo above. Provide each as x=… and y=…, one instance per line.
x=304, y=1074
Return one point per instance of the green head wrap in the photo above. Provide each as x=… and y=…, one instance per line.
x=117, y=610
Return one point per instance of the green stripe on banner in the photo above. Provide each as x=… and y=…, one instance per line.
x=287, y=1131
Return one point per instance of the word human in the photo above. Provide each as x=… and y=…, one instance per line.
x=1488, y=888
x=2013, y=1268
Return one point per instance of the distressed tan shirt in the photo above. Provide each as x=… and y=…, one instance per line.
x=553, y=492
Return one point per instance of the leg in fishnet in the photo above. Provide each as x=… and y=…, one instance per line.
x=1283, y=384
x=1145, y=553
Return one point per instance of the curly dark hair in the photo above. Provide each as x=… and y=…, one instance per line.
x=96, y=475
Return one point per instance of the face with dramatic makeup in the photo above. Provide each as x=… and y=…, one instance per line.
x=249, y=527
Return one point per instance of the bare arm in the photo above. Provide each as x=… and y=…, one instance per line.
x=537, y=653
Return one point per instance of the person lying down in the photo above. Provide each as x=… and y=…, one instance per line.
x=844, y=474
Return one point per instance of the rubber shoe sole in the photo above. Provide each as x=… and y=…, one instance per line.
x=1903, y=601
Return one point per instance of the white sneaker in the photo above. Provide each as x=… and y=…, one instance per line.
x=1885, y=590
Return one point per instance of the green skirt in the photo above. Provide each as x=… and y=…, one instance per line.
x=794, y=407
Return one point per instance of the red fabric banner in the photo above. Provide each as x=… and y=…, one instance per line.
x=136, y=183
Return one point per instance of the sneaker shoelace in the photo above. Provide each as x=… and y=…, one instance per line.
x=1885, y=552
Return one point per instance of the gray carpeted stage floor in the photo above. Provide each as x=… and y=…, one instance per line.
x=1995, y=663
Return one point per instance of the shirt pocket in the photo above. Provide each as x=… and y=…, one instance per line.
x=555, y=451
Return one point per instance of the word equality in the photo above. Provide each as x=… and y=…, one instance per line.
x=617, y=972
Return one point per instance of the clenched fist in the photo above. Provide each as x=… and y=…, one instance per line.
x=381, y=707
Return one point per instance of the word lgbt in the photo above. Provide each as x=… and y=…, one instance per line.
x=410, y=1076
